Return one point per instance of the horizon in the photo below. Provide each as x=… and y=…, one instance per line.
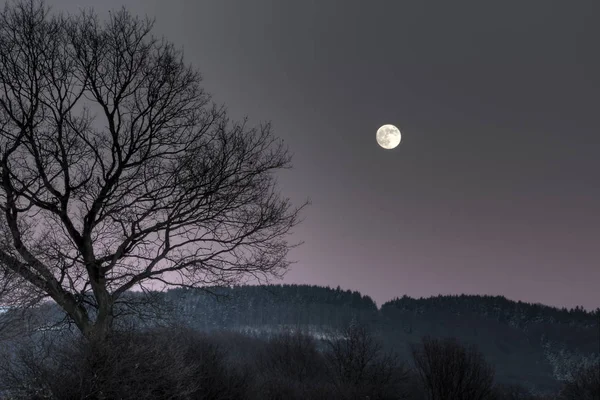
x=378, y=304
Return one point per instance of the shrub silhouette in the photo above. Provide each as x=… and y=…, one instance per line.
x=180, y=363
x=158, y=364
x=449, y=370
x=360, y=369
x=291, y=367
x=585, y=384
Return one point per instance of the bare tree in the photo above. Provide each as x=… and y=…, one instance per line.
x=449, y=370
x=585, y=384
x=117, y=170
x=360, y=368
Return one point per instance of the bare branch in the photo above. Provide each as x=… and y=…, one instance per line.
x=117, y=169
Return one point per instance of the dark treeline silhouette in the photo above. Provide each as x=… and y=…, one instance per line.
x=537, y=355
x=498, y=307
x=178, y=362
x=272, y=305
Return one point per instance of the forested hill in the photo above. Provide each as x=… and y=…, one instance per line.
x=252, y=306
x=516, y=313
x=320, y=306
x=527, y=343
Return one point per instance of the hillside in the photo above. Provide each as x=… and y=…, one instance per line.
x=530, y=344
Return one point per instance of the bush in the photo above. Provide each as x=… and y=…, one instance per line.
x=291, y=367
x=159, y=364
x=359, y=368
x=294, y=356
x=449, y=370
x=585, y=385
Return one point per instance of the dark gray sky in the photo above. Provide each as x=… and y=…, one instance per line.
x=495, y=188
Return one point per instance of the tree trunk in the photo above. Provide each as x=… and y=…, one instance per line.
x=104, y=320
x=100, y=331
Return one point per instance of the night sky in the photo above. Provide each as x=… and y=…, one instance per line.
x=495, y=188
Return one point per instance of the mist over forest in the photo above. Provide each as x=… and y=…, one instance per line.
x=531, y=346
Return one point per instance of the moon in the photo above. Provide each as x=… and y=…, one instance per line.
x=388, y=136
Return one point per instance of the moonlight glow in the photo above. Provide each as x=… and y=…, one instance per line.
x=388, y=136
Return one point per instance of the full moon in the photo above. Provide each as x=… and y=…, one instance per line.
x=388, y=136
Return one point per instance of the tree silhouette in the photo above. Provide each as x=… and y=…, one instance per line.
x=360, y=368
x=585, y=384
x=449, y=370
x=117, y=170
